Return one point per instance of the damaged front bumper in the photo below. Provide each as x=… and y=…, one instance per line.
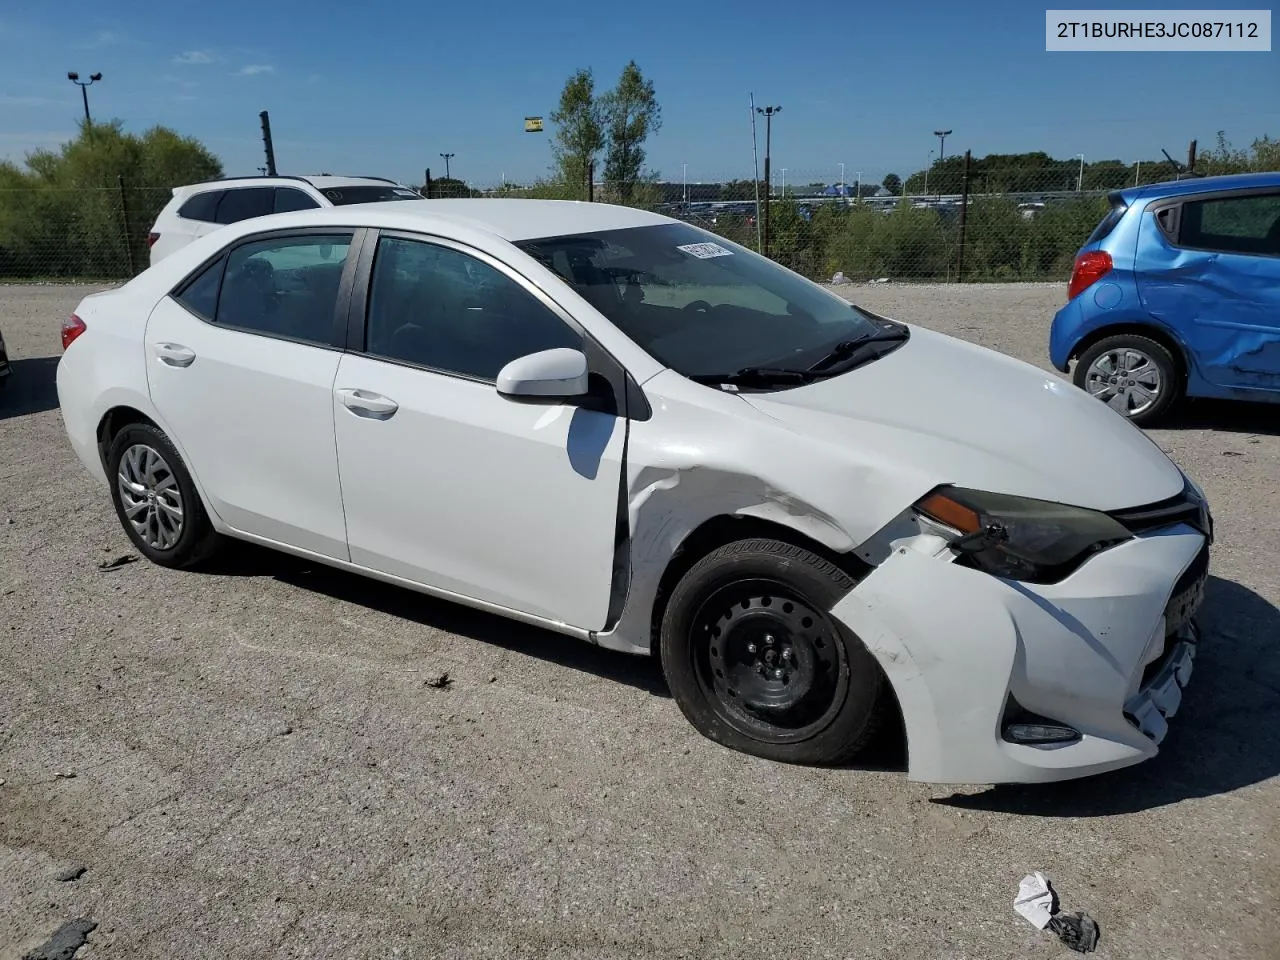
x=1105, y=653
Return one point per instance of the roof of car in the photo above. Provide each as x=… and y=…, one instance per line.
x=511, y=219
x=1191, y=185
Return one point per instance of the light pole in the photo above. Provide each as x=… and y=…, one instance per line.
x=784, y=183
x=686, y=184
x=942, y=143
x=926, y=173
x=447, y=158
x=857, y=185
x=1137, y=173
x=768, y=138
x=84, y=89
x=842, y=180
x=1080, y=176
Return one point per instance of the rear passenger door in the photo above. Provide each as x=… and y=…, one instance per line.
x=240, y=363
x=1209, y=267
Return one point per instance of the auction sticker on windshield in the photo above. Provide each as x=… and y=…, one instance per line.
x=705, y=251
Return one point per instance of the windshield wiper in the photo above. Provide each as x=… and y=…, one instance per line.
x=846, y=349
x=757, y=377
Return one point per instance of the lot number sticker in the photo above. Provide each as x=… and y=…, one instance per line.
x=705, y=251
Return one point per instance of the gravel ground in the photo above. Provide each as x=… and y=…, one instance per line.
x=251, y=763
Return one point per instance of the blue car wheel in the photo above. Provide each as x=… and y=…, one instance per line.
x=1133, y=375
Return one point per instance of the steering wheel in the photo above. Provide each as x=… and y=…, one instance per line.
x=700, y=305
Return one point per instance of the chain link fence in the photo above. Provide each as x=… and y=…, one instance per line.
x=923, y=230
x=90, y=234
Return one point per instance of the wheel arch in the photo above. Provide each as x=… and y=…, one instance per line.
x=722, y=529
x=1152, y=331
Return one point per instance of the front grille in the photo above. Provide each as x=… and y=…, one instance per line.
x=1184, y=508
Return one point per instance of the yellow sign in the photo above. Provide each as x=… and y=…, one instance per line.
x=532, y=124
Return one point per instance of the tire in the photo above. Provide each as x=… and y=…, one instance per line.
x=764, y=603
x=1124, y=362
x=148, y=482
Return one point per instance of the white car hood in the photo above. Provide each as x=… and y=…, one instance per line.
x=941, y=408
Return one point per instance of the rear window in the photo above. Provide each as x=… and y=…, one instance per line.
x=245, y=203
x=1108, y=223
x=340, y=196
x=201, y=206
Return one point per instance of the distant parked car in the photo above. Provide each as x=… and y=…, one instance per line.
x=200, y=208
x=1177, y=294
x=631, y=431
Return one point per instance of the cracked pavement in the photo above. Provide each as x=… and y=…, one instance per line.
x=261, y=768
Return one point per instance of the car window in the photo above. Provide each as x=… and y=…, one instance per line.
x=437, y=307
x=1108, y=223
x=202, y=206
x=284, y=287
x=200, y=295
x=341, y=196
x=695, y=304
x=1249, y=225
x=245, y=202
x=291, y=198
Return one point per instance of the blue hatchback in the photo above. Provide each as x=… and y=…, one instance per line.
x=1176, y=293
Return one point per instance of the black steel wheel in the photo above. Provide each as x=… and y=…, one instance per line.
x=757, y=663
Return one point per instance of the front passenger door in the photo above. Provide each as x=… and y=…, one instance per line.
x=446, y=482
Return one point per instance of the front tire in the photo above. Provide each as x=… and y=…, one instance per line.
x=156, y=499
x=757, y=663
x=1134, y=375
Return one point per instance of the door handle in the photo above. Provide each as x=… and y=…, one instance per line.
x=365, y=403
x=175, y=354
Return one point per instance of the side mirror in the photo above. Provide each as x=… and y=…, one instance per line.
x=550, y=374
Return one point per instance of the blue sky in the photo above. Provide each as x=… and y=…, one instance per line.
x=384, y=88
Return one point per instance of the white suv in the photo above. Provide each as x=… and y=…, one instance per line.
x=201, y=208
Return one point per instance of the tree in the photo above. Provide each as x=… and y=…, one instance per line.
x=893, y=184
x=579, y=135
x=631, y=113
x=84, y=210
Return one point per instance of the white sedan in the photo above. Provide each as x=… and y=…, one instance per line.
x=629, y=430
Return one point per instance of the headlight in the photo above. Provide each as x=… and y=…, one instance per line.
x=1036, y=541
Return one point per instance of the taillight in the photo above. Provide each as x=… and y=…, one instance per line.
x=151, y=239
x=72, y=327
x=1089, y=268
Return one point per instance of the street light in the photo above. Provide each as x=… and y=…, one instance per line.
x=926, y=173
x=1080, y=177
x=842, y=180
x=857, y=185
x=447, y=158
x=84, y=89
x=942, y=143
x=686, y=183
x=768, y=113
x=784, y=183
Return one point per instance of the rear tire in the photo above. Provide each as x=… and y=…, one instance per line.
x=1134, y=375
x=757, y=663
x=156, y=499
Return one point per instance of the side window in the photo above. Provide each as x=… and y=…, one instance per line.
x=284, y=287
x=200, y=295
x=290, y=198
x=245, y=202
x=438, y=307
x=202, y=206
x=1249, y=225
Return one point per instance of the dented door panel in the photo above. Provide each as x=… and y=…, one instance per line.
x=1225, y=306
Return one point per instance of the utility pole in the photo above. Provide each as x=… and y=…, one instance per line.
x=447, y=158
x=84, y=89
x=1191, y=157
x=768, y=113
x=266, y=143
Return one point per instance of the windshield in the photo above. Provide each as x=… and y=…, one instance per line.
x=697, y=304
x=368, y=194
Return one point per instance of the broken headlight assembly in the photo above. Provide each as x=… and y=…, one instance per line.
x=1036, y=541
